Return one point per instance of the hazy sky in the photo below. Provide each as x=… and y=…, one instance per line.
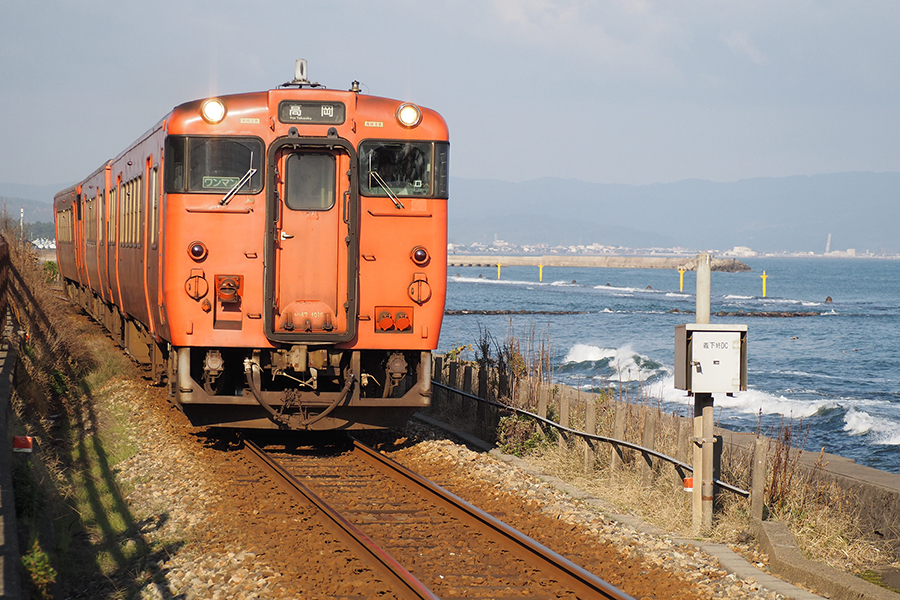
x=619, y=91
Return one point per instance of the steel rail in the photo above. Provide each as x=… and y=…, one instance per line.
x=592, y=436
x=583, y=582
x=402, y=581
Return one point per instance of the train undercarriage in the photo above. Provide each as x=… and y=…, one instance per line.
x=293, y=387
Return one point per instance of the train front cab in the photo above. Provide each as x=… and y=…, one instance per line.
x=349, y=324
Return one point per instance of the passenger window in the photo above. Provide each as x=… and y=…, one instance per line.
x=309, y=181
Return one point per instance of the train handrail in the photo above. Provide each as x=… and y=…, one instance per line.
x=592, y=436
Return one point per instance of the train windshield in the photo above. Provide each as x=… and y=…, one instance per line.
x=389, y=168
x=213, y=164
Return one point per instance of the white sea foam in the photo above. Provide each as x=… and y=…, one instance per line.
x=883, y=431
x=569, y=283
x=752, y=402
x=805, y=374
x=736, y=297
x=613, y=288
x=678, y=295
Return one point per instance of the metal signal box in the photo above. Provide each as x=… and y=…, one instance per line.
x=711, y=358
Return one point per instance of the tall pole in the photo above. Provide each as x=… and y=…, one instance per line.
x=703, y=277
x=702, y=499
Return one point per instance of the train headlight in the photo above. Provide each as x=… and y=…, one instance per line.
x=213, y=111
x=409, y=115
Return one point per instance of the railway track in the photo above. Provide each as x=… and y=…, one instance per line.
x=421, y=539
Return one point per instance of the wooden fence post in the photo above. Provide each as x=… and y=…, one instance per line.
x=590, y=426
x=758, y=486
x=617, y=457
x=437, y=374
x=648, y=440
x=682, y=449
x=470, y=413
x=453, y=381
x=565, y=403
x=543, y=394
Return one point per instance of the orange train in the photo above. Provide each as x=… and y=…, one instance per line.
x=278, y=258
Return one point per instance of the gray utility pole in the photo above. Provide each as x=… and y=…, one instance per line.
x=704, y=434
x=708, y=359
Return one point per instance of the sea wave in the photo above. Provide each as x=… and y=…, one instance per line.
x=612, y=365
x=882, y=431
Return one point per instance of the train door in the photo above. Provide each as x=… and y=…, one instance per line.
x=312, y=242
x=112, y=241
x=80, y=247
x=151, y=244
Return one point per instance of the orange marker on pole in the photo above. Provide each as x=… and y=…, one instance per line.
x=22, y=443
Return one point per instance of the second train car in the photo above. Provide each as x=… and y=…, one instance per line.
x=277, y=258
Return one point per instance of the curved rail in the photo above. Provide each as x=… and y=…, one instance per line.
x=582, y=581
x=403, y=582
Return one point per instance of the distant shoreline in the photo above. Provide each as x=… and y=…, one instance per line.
x=674, y=263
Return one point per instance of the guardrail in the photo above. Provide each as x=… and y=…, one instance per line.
x=591, y=436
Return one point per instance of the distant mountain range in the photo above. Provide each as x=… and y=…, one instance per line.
x=792, y=214
x=37, y=200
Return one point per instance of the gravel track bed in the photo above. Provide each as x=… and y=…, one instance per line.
x=224, y=528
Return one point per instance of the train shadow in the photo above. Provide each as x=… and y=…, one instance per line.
x=97, y=546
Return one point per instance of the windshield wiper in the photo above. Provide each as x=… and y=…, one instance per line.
x=383, y=184
x=243, y=180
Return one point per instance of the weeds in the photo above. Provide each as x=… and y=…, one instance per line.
x=519, y=436
x=40, y=571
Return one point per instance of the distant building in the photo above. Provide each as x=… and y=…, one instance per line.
x=741, y=252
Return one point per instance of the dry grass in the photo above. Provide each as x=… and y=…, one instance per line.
x=822, y=516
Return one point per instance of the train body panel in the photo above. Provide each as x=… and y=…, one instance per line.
x=281, y=263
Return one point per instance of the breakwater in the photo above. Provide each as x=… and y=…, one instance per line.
x=674, y=263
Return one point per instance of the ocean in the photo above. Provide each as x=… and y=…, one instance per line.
x=834, y=377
